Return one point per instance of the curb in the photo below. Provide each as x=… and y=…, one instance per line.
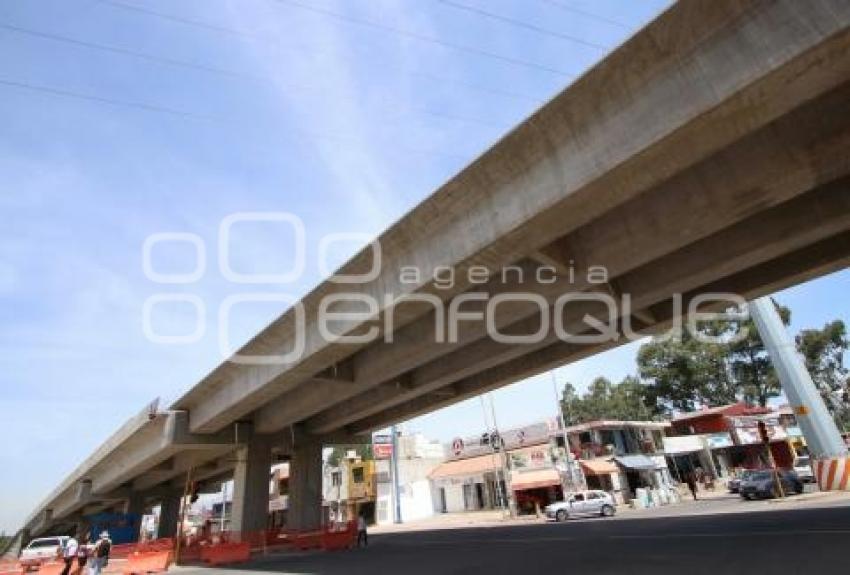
x=806, y=497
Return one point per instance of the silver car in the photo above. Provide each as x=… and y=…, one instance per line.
x=582, y=503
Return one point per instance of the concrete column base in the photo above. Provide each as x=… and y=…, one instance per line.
x=305, y=485
x=832, y=473
x=251, y=486
x=169, y=516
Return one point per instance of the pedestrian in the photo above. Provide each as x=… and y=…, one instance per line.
x=361, y=531
x=69, y=554
x=100, y=554
x=691, y=480
x=83, y=553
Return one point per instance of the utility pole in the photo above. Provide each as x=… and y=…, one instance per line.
x=184, y=504
x=223, y=505
x=396, y=490
x=566, y=484
x=765, y=441
x=505, y=467
x=822, y=436
x=499, y=499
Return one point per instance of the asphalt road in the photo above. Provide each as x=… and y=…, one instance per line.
x=784, y=541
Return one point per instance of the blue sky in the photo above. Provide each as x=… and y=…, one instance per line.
x=121, y=119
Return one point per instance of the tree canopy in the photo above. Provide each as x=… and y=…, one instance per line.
x=605, y=400
x=687, y=373
x=364, y=452
x=823, y=351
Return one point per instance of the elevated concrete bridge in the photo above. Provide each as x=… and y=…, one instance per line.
x=709, y=153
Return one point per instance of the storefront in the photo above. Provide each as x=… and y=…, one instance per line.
x=534, y=489
x=750, y=452
x=604, y=475
x=469, y=484
x=709, y=452
x=645, y=474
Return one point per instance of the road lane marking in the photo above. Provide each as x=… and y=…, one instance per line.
x=794, y=532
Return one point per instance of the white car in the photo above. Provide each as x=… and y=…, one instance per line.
x=803, y=469
x=591, y=502
x=40, y=550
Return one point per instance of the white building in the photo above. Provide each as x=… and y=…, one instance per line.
x=417, y=457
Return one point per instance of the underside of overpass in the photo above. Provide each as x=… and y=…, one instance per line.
x=708, y=154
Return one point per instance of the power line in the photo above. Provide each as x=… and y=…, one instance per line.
x=424, y=38
x=521, y=24
x=123, y=51
x=206, y=26
x=102, y=100
x=178, y=19
x=587, y=14
x=143, y=106
x=215, y=70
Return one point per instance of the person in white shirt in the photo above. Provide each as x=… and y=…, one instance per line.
x=69, y=554
x=361, y=531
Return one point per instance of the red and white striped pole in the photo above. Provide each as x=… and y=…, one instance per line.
x=829, y=452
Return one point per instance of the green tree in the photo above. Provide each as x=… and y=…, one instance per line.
x=684, y=373
x=605, y=400
x=823, y=351
x=338, y=453
x=750, y=363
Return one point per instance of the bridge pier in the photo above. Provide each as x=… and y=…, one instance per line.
x=169, y=515
x=251, y=485
x=305, y=484
x=135, y=505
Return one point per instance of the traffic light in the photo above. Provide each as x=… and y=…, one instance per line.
x=194, y=492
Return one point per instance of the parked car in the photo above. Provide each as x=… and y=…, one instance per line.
x=40, y=550
x=761, y=484
x=734, y=484
x=803, y=469
x=580, y=503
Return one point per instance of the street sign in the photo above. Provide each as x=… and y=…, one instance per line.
x=382, y=450
x=382, y=446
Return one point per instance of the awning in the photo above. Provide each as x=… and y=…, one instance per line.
x=639, y=462
x=521, y=480
x=598, y=467
x=469, y=466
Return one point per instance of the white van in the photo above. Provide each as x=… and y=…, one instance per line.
x=42, y=549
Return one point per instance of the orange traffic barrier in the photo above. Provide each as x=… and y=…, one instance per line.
x=225, y=553
x=333, y=540
x=54, y=568
x=308, y=540
x=11, y=568
x=147, y=562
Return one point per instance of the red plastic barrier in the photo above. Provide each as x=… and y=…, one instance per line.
x=163, y=544
x=122, y=551
x=147, y=562
x=225, y=553
x=335, y=539
x=56, y=567
x=308, y=540
x=11, y=568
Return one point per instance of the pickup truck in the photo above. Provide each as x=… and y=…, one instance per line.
x=40, y=550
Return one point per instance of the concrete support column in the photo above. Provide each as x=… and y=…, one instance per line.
x=251, y=485
x=831, y=460
x=305, y=484
x=169, y=515
x=135, y=505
